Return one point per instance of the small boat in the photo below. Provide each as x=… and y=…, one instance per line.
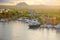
x=2, y=20
x=46, y=25
x=26, y=20
x=20, y=19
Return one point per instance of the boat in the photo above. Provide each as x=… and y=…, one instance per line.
x=46, y=25
x=33, y=23
x=57, y=26
x=34, y=26
x=20, y=19
x=2, y=20
x=26, y=20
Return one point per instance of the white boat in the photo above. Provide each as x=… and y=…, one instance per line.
x=33, y=23
x=57, y=26
x=43, y=26
x=46, y=26
x=20, y=19
x=2, y=20
x=26, y=20
x=49, y=25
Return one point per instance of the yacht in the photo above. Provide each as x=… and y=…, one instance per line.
x=33, y=23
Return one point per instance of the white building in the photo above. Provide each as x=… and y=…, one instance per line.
x=32, y=12
x=6, y=10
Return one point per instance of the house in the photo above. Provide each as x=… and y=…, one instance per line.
x=32, y=12
x=52, y=20
x=1, y=11
x=6, y=10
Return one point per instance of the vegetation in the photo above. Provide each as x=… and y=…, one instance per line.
x=14, y=14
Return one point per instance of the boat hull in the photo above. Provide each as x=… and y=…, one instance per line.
x=34, y=26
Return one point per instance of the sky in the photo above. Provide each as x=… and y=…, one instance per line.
x=30, y=2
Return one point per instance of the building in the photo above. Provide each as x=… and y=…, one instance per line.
x=1, y=11
x=32, y=12
x=6, y=11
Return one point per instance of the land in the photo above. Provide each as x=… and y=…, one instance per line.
x=42, y=12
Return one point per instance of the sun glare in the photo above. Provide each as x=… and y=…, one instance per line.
x=35, y=2
x=44, y=2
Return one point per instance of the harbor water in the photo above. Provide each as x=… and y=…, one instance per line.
x=20, y=31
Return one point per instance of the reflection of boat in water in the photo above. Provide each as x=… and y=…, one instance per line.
x=33, y=23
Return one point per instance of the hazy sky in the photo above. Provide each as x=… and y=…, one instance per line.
x=31, y=2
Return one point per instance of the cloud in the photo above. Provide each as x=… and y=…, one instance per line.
x=4, y=1
x=10, y=1
x=44, y=2
x=32, y=2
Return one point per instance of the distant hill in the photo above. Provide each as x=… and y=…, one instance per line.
x=19, y=5
x=23, y=4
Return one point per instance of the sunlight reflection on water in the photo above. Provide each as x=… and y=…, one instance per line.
x=19, y=31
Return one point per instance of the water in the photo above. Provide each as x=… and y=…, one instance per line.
x=19, y=31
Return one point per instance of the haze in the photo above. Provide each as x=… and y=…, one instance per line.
x=30, y=2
